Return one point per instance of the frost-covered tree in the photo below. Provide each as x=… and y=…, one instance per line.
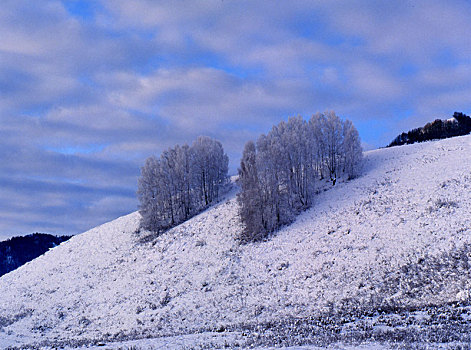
x=278, y=174
x=351, y=150
x=148, y=194
x=182, y=182
x=337, y=144
x=276, y=178
x=317, y=127
x=249, y=197
x=210, y=168
x=333, y=138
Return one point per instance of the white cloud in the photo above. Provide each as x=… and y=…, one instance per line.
x=446, y=77
x=407, y=29
x=372, y=81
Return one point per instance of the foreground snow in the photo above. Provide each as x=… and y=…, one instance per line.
x=394, y=239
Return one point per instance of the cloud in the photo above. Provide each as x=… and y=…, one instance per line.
x=57, y=207
x=446, y=77
x=88, y=92
x=375, y=82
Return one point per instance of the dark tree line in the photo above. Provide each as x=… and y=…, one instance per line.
x=17, y=251
x=180, y=183
x=459, y=125
x=278, y=173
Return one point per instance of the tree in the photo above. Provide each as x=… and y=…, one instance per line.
x=459, y=124
x=278, y=174
x=351, y=149
x=181, y=183
x=333, y=139
x=249, y=199
x=149, y=196
x=210, y=168
x=316, y=130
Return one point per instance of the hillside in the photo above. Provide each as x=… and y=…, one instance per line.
x=17, y=251
x=397, y=238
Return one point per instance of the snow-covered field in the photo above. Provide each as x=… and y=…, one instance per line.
x=376, y=256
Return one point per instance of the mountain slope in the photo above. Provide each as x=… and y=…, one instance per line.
x=396, y=237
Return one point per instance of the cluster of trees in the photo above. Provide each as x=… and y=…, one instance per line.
x=181, y=183
x=17, y=251
x=459, y=124
x=278, y=173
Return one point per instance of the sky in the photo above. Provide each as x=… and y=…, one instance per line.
x=90, y=89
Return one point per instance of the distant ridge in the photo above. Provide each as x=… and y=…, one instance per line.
x=458, y=125
x=17, y=251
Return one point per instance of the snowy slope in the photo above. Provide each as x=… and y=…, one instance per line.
x=395, y=237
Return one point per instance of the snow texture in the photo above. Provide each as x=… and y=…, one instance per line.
x=396, y=238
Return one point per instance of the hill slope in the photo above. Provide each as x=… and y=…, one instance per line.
x=17, y=251
x=397, y=237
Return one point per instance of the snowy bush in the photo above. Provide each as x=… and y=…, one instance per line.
x=277, y=175
x=442, y=203
x=181, y=183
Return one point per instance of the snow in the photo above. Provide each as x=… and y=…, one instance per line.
x=396, y=236
x=214, y=340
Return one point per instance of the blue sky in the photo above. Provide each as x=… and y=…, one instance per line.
x=89, y=89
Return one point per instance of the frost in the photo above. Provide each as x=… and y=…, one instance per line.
x=389, y=271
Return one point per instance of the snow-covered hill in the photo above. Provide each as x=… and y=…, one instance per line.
x=396, y=238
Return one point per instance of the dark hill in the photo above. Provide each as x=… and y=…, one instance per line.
x=459, y=125
x=17, y=251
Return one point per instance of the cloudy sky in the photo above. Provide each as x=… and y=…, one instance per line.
x=89, y=89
